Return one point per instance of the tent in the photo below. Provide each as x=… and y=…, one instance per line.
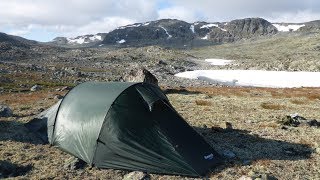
x=128, y=126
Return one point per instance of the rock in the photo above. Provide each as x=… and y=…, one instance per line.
x=295, y=120
x=229, y=154
x=5, y=111
x=35, y=88
x=58, y=96
x=65, y=88
x=292, y=120
x=140, y=75
x=136, y=175
x=228, y=126
x=317, y=150
x=162, y=63
x=296, y=116
x=313, y=122
x=74, y=163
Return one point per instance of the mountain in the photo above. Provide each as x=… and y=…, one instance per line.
x=79, y=41
x=312, y=26
x=177, y=33
x=14, y=46
x=17, y=48
x=6, y=39
x=173, y=32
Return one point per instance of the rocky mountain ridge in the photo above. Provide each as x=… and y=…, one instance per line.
x=177, y=33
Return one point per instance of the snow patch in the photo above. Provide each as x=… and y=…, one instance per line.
x=209, y=26
x=84, y=39
x=212, y=25
x=287, y=28
x=192, y=28
x=169, y=36
x=146, y=24
x=218, y=62
x=79, y=40
x=222, y=29
x=256, y=78
x=206, y=37
x=95, y=37
x=131, y=25
x=101, y=45
x=121, y=41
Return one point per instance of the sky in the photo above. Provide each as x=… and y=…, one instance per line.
x=43, y=20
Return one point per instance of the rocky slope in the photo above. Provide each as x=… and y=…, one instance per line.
x=180, y=33
x=17, y=48
x=13, y=46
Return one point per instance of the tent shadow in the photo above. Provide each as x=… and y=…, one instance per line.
x=8, y=169
x=180, y=91
x=12, y=130
x=248, y=148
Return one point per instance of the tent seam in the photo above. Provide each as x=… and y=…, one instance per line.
x=55, y=119
x=104, y=119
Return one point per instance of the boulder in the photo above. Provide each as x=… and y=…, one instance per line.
x=140, y=75
x=5, y=111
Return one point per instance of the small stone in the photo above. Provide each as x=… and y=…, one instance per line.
x=35, y=88
x=229, y=154
x=136, y=175
x=58, y=96
x=65, y=88
x=318, y=150
x=5, y=111
x=245, y=178
x=74, y=163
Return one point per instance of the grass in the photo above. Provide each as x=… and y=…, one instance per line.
x=298, y=102
x=272, y=106
x=203, y=103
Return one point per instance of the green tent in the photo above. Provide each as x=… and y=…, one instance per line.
x=125, y=126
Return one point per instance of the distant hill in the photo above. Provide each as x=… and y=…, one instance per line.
x=79, y=41
x=17, y=48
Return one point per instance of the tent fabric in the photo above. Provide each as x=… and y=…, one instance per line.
x=128, y=126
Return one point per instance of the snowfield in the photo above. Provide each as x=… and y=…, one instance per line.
x=284, y=28
x=209, y=26
x=256, y=78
